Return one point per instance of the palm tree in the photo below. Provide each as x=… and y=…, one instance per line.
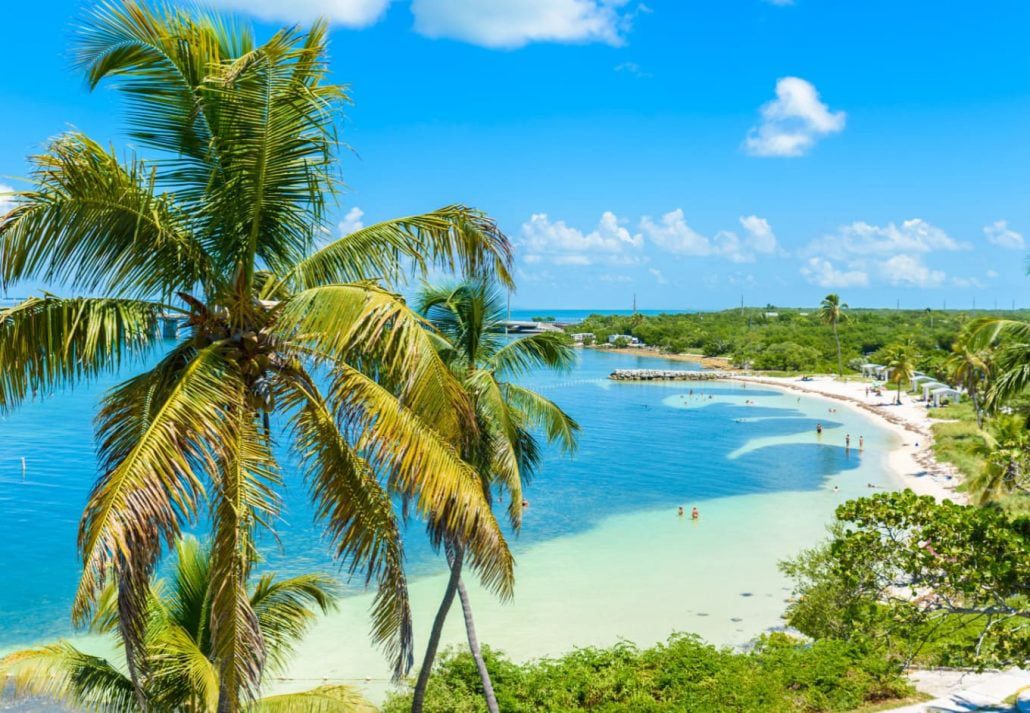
x=970, y=368
x=469, y=319
x=833, y=313
x=1007, y=469
x=178, y=640
x=220, y=226
x=1009, y=344
x=902, y=366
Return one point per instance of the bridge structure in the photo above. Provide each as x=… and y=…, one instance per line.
x=514, y=326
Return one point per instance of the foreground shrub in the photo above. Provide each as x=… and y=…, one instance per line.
x=684, y=674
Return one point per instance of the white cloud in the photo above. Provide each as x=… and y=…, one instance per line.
x=991, y=274
x=822, y=272
x=999, y=233
x=860, y=238
x=673, y=234
x=793, y=122
x=620, y=279
x=658, y=276
x=909, y=271
x=352, y=13
x=352, y=221
x=632, y=68
x=514, y=23
x=6, y=198
x=561, y=244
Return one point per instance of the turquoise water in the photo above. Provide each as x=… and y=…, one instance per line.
x=645, y=449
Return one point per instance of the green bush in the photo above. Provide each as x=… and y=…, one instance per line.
x=684, y=674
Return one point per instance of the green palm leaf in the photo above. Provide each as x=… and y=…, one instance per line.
x=47, y=342
x=324, y=699
x=453, y=237
x=63, y=673
x=97, y=224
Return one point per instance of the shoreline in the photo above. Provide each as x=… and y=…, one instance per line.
x=912, y=460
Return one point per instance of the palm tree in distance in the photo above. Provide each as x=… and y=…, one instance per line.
x=505, y=454
x=971, y=369
x=834, y=313
x=902, y=366
x=184, y=675
x=219, y=226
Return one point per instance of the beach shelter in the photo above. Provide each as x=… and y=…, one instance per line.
x=929, y=387
x=869, y=370
x=946, y=393
x=921, y=379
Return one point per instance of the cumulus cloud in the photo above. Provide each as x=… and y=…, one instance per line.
x=352, y=221
x=672, y=234
x=351, y=13
x=561, y=244
x=514, y=23
x=793, y=122
x=658, y=276
x=892, y=254
x=6, y=198
x=861, y=238
x=909, y=271
x=822, y=272
x=999, y=233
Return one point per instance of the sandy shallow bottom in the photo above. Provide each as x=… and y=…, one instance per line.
x=637, y=577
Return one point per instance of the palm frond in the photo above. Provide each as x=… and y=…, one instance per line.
x=366, y=327
x=544, y=413
x=359, y=518
x=64, y=674
x=181, y=673
x=277, y=129
x=47, y=342
x=285, y=610
x=95, y=223
x=422, y=465
x=155, y=431
x=551, y=350
x=324, y=699
x=244, y=499
x=454, y=238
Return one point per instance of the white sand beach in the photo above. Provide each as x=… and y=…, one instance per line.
x=913, y=460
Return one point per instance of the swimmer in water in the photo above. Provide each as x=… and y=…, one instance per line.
x=694, y=514
x=861, y=442
x=847, y=441
x=680, y=511
x=525, y=504
x=819, y=429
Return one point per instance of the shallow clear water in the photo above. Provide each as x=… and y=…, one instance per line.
x=600, y=526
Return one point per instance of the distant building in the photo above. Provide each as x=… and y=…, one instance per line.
x=631, y=340
x=580, y=337
x=772, y=315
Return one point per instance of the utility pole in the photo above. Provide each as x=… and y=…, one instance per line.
x=634, y=303
x=742, y=305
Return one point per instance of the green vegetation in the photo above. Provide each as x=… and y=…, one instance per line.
x=780, y=674
x=796, y=340
x=925, y=582
x=183, y=674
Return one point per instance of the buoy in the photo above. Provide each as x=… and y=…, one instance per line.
x=23, y=467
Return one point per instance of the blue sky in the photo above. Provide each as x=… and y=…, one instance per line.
x=684, y=151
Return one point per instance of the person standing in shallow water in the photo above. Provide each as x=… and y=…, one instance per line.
x=847, y=441
x=680, y=511
x=694, y=514
x=818, y=429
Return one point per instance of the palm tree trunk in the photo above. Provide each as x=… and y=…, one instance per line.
x=840, y=359
x=470, y=630
x=418, y=698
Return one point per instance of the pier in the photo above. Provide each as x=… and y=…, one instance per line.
x=667, y=375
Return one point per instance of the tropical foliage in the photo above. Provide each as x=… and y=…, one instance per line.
x=178, y=644
x=746, y=336
x=779, y=674
x=222, y=223
x=834, y=313
x=468, y=318
x=937, y=583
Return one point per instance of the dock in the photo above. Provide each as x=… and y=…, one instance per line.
x=668, y=375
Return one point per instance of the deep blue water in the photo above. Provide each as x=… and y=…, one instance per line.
x=635, y=453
